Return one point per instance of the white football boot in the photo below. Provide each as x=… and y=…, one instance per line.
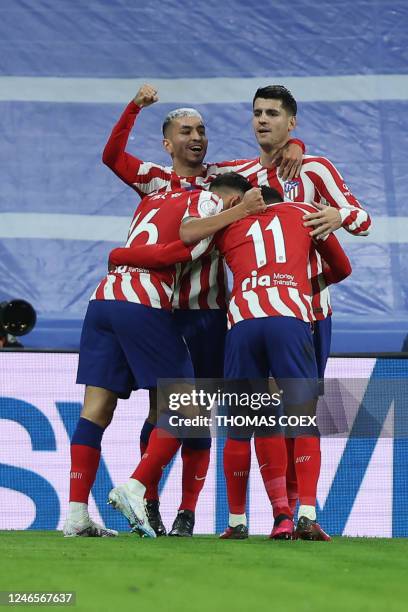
x=133, y=508
x=87, y=528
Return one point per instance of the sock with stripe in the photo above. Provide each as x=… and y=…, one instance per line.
x=85, y=456
x=307, y=464
x=291, y=482
x=237, y=463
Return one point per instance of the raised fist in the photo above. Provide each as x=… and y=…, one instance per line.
x=146, y=96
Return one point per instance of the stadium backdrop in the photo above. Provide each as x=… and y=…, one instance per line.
x=67, y=69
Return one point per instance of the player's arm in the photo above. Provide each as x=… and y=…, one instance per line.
x=336, y=264
x=151, y=255
x=344, y=209
x=126, y=166
x=288, y=158
x=206, y=216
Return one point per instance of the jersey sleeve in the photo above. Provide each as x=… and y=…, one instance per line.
x=336, y=263
x=144, y=177
x=159, y=255
x=151, y=255
x=331, y=187
x=299, y=143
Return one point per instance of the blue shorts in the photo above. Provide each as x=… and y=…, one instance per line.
x=126, y=346
x=322, y=340
x=204, y=332
x=278, y=347
x=281, y=347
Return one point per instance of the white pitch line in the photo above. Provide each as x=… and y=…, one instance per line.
x=108, y=228
x=221, y=90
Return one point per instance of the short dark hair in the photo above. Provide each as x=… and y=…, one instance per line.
x=278, y=92
x=270, y=195
x=230, y=180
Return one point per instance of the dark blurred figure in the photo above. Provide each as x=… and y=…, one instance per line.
x=17, y=318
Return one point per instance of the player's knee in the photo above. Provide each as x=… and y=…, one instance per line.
x=99, y=405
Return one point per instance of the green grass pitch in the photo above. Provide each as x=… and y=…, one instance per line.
x=203, y=574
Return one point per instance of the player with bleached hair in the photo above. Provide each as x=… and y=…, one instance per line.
x=200, y=301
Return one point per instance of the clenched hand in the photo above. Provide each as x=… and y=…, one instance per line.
x=146, y=96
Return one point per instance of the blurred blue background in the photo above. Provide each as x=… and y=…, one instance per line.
x=68, y=68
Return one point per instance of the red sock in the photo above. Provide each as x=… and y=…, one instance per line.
x=161, y=449
x=271, y=455
x=195, y=467
x=291, y=482
x=307, y=463
x=237, y=463
x=152, y=490
x=84, y=465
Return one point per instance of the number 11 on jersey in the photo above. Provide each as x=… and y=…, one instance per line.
x=255, y=232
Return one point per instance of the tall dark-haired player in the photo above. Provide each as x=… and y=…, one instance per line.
x=319, y=183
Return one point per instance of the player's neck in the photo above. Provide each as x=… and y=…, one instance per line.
x=268, y=155
x=185, y=170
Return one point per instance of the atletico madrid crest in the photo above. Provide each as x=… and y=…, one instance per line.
x=291, y=190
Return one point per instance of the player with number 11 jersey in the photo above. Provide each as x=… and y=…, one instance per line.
x=268, y=255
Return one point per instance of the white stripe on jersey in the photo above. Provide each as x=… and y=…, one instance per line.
x=325, y=301
x=308, y=300
x=212, y=280
x=295, y=297
x=235, y=311
x=146, y=167
x=195, y=284
x=128, y=290
x=108, y=288
x=182, y=271
x=154, y=185
x=277, y=304
x=248, y=164
x=319, y=262
x=309, y=189
x=262, y=176
x=201, y=181
x=150, y=289
x=328, y=180
x=253, y=304
x=200, y=248
x=168, y=291
x=132, y=225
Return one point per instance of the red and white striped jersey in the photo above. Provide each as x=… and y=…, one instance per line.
x=319, y=181
x=204, y=283
x=268, y=255
x=156, y=221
